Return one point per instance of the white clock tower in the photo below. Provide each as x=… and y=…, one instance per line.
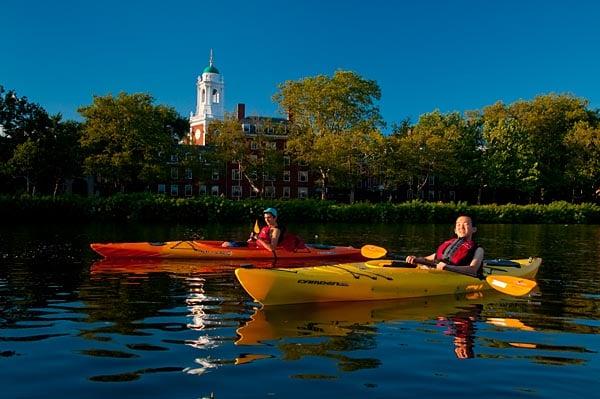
x=209, y=102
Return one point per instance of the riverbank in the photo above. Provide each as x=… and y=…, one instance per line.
x=160, y=208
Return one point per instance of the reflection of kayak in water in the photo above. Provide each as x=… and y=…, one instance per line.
x=340, y=318
x=144, y=266
x=184, y=266
x=364, y=281
x=203, y=249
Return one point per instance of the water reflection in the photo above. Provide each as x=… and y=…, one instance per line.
x=352, y=326
x=68, y=326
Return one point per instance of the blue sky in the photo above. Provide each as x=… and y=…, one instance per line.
x=448, y=55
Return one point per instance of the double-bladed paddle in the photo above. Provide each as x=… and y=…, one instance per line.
x=510, y=285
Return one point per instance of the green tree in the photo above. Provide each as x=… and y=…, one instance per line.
x=511, y=162
x=325, y=113
x=583, y=167
x=128, y=140
x=440, y=146
x=390, y=163
x=230, y=144
x=41, y=149
x=525, y=142
x=64, y=155
x=24, y=163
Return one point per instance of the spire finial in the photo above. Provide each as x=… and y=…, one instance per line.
x=210, y=62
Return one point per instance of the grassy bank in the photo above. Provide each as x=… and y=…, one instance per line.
x=148, y=207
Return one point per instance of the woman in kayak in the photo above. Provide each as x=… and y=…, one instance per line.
x=269, y=235
x=459, y=254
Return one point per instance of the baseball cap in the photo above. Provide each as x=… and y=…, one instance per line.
x=272, y=211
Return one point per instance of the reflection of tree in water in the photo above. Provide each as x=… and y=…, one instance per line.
x=124, y=300
x=28, y=286
x=355, y=340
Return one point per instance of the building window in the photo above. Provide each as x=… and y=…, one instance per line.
x=246, y=127
x=174, y=190
x=203, y=97
x=162, y=188
x=236, y=191
x=235, y=174
x=410, y=194
x=303, y=176
x=286, y=160
x=286, y=175
x=286, y=192
x=267, y=177
x=302, y=192
x=269, y=191
x=188, y=190
x=203, y=189
x=431, y=180
x=214, y=190
x=452, y=195
x=174, y=173
x=253, y=144
x=215, y=96
x=215, y=174
x=431, y=195
x=188, y=173
x=174, y=159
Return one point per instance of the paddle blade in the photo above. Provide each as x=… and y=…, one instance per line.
x=256, y=227
x=372, y=251
x=511, y=285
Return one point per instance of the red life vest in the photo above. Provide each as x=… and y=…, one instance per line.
x=265, y=233
x=456, y=251
x=288, y=241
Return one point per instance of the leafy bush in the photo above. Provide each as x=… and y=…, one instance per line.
x=152, y=207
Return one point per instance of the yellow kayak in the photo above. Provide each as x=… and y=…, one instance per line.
x=365, y=281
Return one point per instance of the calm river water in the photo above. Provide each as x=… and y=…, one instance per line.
x=73, y=327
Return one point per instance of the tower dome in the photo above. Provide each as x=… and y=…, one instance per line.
x=211, y=67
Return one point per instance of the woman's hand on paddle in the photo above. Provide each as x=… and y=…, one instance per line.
x=410, y=259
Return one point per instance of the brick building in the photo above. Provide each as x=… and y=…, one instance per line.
x=191, y=172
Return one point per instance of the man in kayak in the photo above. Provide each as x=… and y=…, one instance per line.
x=459, y=254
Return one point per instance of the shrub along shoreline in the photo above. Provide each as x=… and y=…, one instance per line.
x=145, y=207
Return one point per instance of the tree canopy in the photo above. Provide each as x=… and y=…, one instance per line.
x=128, y=140
x=35, y=147
x=329, y=117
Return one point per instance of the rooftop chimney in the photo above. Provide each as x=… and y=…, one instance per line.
x=241, y=111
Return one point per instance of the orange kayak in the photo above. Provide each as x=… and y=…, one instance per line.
x=213, y=250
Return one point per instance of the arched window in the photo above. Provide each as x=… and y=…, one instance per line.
x=215, y=96
x=203, y=97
